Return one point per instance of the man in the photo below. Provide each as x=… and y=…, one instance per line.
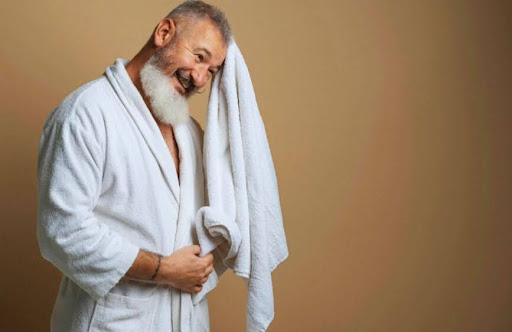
x=119, y=166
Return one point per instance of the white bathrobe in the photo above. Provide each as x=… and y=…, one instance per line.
x=107, y=187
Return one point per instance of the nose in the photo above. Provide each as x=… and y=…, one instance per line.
x=200, y=76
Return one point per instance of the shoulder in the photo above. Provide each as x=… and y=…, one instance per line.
x=82, y=108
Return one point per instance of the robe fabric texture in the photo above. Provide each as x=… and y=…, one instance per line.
x=108, y=187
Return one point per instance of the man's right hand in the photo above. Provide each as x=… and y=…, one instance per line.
x=183, y=269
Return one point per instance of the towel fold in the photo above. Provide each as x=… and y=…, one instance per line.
x=242, y=222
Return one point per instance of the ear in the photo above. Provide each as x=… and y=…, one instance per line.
x=164, y=32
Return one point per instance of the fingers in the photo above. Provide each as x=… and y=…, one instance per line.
x=199, y=286
x=196, y=249
x=209, y=269
x=208, y=258
x=196, y=289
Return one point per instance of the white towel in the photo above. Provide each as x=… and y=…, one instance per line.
x=242, y=223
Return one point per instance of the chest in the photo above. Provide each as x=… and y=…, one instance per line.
x=171, y=144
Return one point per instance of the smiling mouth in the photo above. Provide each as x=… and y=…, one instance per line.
x=184, y=83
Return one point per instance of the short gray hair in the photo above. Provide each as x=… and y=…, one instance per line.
x=197, y=9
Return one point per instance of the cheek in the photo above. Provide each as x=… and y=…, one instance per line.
x=170, y=70
x=187, y=62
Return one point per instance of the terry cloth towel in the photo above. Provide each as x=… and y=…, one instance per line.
x=241, y=223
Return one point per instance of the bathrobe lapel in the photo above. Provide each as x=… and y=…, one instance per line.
x=189, y=190
x=183, y=228
x=139, y=112
x=187, y=185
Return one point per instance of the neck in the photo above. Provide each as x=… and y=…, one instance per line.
x=135, y=65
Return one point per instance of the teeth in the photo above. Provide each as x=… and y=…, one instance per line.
x=184, y=82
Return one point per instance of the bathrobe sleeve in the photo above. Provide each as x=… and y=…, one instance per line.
x=69, y=170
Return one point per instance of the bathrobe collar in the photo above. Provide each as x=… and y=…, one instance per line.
x=141, y=115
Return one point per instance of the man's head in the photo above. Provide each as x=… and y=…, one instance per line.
x=187, y=48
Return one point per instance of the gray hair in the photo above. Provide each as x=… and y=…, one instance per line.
x=197, y=9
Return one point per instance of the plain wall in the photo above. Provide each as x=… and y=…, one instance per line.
x=390, y=128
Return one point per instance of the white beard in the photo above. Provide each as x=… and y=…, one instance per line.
x=167, y=104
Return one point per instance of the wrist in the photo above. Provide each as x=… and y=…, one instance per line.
x=164, y=274
x=157, y=269
x=145, y=266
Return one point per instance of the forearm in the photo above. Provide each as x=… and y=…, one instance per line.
x=144, y=266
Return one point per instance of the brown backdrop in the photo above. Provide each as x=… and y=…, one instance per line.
x=389, y=123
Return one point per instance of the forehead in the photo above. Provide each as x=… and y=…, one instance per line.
x=203, y=34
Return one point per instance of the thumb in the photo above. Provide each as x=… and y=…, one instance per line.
x=196, y=249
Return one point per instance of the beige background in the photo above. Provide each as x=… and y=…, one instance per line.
x=390, y=126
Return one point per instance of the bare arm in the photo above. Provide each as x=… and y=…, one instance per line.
x=144, y=266
x=182, y=269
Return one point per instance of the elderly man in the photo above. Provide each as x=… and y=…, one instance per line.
x=119, y=167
